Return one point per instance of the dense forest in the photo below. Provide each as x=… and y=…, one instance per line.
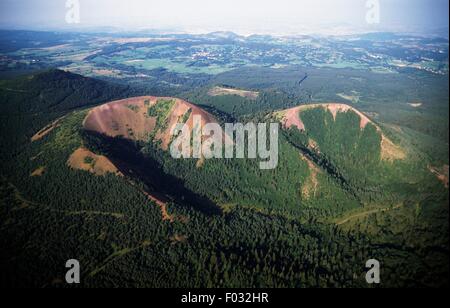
x=232, y=224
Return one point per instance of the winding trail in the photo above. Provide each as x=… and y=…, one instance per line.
x=367, y=213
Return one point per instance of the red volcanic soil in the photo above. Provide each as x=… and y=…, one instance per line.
x=291, y=117
x=441, y=173
x=129, y=118
x=180, y=108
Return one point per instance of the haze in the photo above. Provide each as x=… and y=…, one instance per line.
x=242, y=16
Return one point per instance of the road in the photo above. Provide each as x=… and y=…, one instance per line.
x=367, y=213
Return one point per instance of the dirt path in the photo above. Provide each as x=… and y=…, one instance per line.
x=159, y=202
x=119, y=253
x=14, y=90
x=367, y=213
x=28, y=204
x=47, y=130
x=162, y=205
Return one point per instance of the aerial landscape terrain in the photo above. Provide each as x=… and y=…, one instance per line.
x=87, y=173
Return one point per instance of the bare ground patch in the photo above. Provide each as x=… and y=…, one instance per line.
x=46, y=130
x=129, y=118
x=119, y=118
x=159, y=202
x=178, y=239
x=354, y=97
x=311, y=186
x=291, y=117
x=441, y=173
x=219, y=91
x=163, y=207
x=106, y=72
x=391, y=151
x=83, y=159
x=38, y=172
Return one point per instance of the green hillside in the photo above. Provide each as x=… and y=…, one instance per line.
x=31, y=102
x=312, y=222
x=364, y=159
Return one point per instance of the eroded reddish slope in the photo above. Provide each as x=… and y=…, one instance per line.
x=292, y=117
x=129, y=118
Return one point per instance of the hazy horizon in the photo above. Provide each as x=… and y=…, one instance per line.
x=243, y=17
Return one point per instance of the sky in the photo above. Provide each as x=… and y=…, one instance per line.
x=241, y=16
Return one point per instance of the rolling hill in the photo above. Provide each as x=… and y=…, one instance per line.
x=87, y=175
